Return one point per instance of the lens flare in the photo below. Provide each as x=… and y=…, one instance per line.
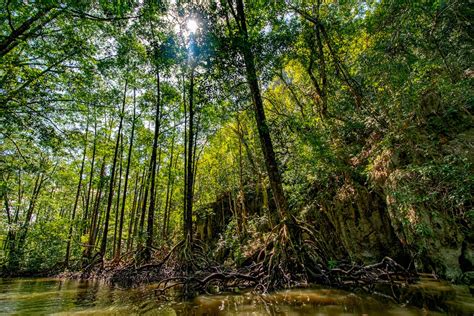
x=192, y=26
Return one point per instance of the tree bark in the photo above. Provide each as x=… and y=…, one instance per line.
x=185, y=158
x=132, y=220
x=93, y=231
x=103, y=246
x=117, y=205
x=189, y=172
x=16, y=254
x=168, y=186
x=91, y=176
x=262, y=125
x=153, y=164
x=76, y=200
x=142, y=197
x=125, y=186
x=243, y=210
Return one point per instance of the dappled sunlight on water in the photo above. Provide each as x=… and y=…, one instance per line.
x=66, y=297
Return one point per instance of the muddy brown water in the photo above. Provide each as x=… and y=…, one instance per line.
x=42, y=296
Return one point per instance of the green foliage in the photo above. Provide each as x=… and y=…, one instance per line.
x=332, y=264
x=229, y=242
x=375, y=92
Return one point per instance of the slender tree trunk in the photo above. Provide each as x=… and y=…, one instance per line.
x=20, y=197
x=34, y=195
x=95, y=213
x=10, y=235
x=158, y=195
x=234, y=212
x=76, y=200
x=185, y=159
x=243, y=211
x=7, y=207
x=153, y=164
x=133, y=213
x=16, y=254
x=189, y=172
x=117, y=206
x=138, y=226
x=91, y=176
x=103, y=246
x=143, y=212
x=173, y=179
x=167, y=200
x=9, y=245
x=99, y=230
x=125, y=186
x=262, y=125
x=195, y=154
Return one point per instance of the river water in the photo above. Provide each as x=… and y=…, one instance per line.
x=40, y=296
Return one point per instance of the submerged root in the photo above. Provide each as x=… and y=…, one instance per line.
x=384, y=278
x=209, y=282
x=292, y=256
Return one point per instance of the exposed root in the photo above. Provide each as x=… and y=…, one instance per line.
x=387, y=276
x=213, y=280
x=288, y=258
x=283, y=261
x=293, y=255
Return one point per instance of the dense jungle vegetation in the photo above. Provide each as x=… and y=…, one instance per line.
x=268, y=143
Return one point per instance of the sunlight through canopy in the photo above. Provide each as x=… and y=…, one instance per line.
x=192, y=25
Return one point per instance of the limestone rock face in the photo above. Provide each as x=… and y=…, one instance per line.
x=361, y=221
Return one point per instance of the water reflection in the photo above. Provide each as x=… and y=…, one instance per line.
x=67, y=297
x=86, y=293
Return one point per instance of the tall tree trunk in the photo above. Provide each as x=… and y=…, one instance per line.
x=132, y=220
x=144, y=204
x=185, y=158
x=151, y=209
x=167, y=200
x=20, y=197
x=103, y=245
x=17, y=250
x=189, y=172
x=9, y=222
x=243, y=210
x=125, y=186
x=195, y=154
x=91, y=176
x=9, y=244
x=117, y=205
x=173, y=179
x=95, y=212
x=76, y=200
x=142, y=196
x=158, y=195
x=262, y=125
x=7, y=207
